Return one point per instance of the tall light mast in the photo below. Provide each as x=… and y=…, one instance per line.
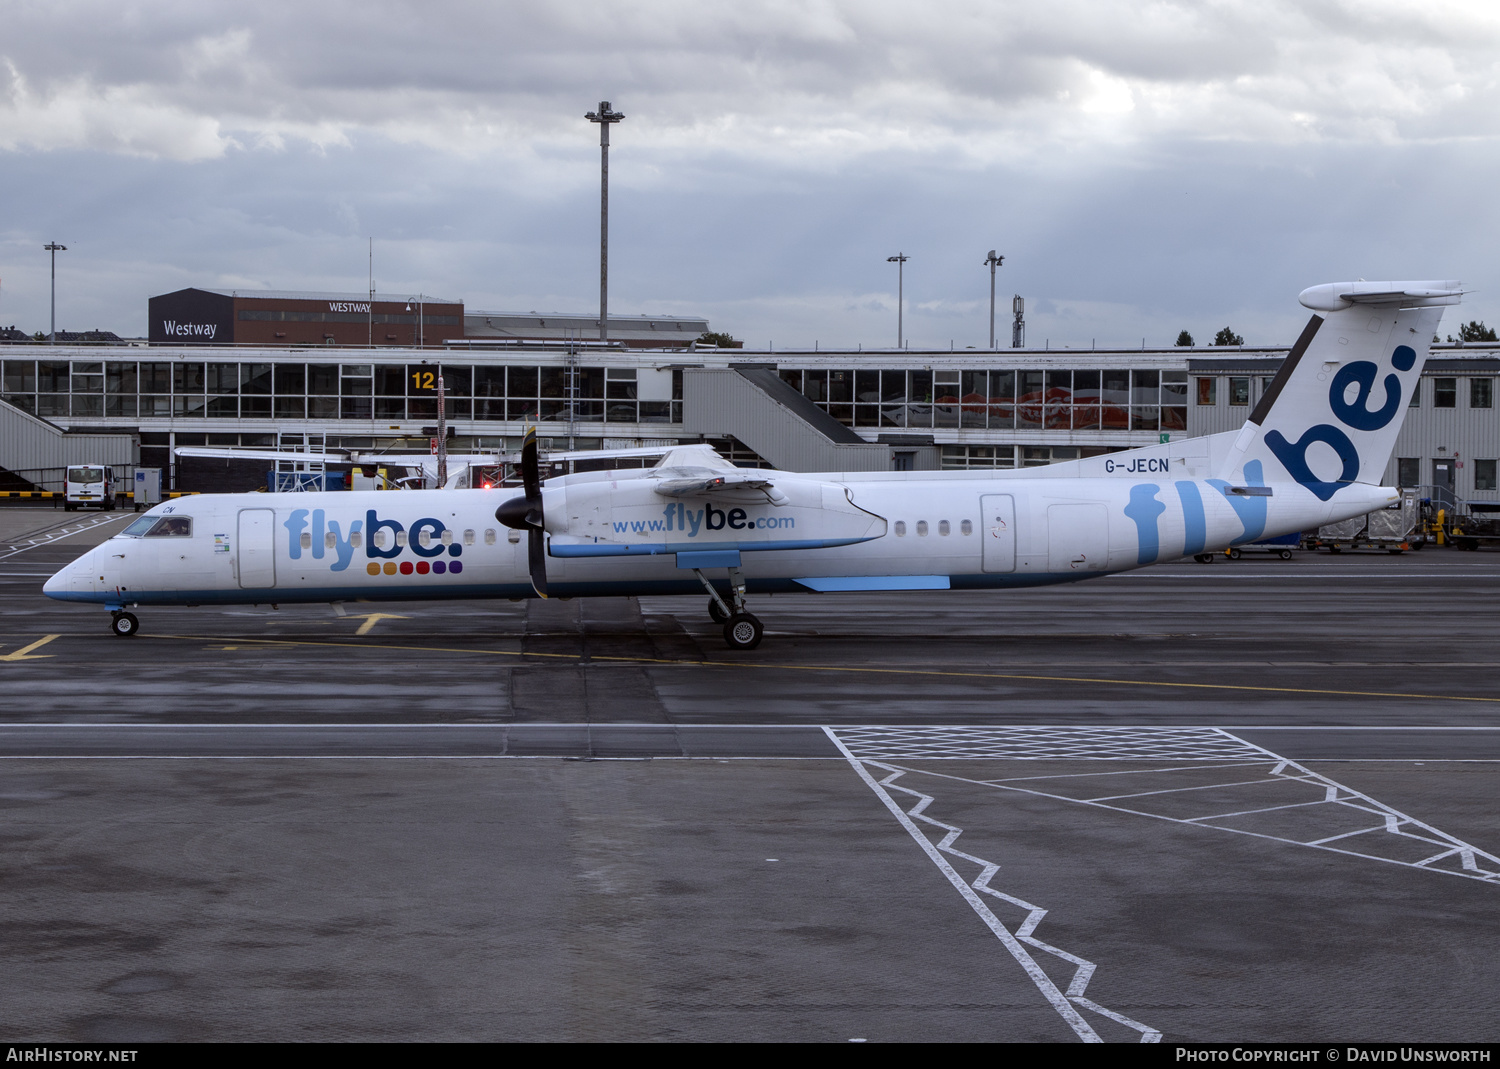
x=993, y=261
x=606, y=118
x=900, y=261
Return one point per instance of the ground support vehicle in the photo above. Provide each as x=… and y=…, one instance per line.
x=89, y=486
x=1281, y=546
x=1480, y=525
x=1392, y=529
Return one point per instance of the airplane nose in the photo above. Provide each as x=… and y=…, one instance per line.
x=72, y=578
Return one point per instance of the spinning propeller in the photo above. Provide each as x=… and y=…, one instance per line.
x=525, y=514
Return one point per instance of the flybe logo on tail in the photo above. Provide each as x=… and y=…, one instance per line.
x=1353, y=412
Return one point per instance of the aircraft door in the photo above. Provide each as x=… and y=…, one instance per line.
x=1077, y=538
x=997, y=524
x=257, y=548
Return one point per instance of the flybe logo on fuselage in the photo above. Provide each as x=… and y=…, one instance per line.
x=313, y=531
x=347, y=306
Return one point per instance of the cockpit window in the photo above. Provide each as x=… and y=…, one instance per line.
x=162, y=527
x=172, y=527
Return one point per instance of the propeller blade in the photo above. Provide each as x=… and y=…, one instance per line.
x=530, y=475
x=536, y=560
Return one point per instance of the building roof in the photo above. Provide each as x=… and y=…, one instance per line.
x=323, y=295
x=535, y=326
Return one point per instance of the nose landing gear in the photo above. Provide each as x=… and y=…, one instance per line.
x=124, y=624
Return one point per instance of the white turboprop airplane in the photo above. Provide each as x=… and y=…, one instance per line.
x=1312, y=452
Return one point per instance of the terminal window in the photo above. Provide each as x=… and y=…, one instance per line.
x=1208, y=391
x=1481, y=393
x=1444, y=393
x=1484, y=475
x=1408, y=471
x=1239, y=390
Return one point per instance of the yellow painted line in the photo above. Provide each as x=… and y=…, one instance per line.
x=926, y=672
x=372, y=618
x=25, y=654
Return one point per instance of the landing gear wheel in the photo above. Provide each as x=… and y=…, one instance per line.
x=124, y=624
x=1234, y=554
x=1203, y=558
x=715, y=613
x=742, y=631
x=1285, y=554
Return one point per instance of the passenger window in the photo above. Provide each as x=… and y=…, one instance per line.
x=306, y=540
x=943, y=528
x=900, y=528
x=381, y=538
x=447, y=537
x=966, y=527
x=400, y=538
x=171, y=527
x=489, y=537
x=424, y=538
x=922, y=527
x=468, y=538
x=355, y=538
x=329, y=542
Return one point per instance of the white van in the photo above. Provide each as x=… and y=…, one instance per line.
x=89, y=486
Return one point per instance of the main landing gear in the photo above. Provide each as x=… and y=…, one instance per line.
x=742, y=630
x=124, y=624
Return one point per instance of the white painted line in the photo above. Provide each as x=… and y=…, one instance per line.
x=1061, y=1002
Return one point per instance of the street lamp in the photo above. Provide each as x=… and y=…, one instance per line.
x=900, y=261
x=418, y=301
x=54, y=248
x=606, y=118
x=994, y=262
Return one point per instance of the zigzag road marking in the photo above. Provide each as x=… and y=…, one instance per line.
x=11, y=549
x=1066, y=1003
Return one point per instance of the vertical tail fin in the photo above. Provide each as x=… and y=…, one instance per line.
x=1331, y=415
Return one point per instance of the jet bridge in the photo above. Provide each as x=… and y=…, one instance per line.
x=751, y=403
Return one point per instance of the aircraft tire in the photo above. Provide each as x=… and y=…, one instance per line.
x=1234, y=554
x=1203, y=558
x=715, y=613
x=742, y=631
x=1286, y=554
x=124, y=624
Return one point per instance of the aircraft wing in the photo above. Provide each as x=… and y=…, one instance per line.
x=234, y=453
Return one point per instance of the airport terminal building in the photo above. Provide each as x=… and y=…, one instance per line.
x=795, y=410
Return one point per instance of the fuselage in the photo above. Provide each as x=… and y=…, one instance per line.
x=937, y=531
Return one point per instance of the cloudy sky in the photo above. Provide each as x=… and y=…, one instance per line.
x=1143, y=166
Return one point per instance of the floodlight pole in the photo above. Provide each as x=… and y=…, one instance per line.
x=54, y=248
x=606, y=118
x=994, y=262
x=900, y=261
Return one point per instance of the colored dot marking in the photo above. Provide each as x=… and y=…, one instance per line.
x=372, y=568
x=390, y=568
x=439, y=566
x=455, y=549
x=406, y=567
x=422, y=567
x=455, y=567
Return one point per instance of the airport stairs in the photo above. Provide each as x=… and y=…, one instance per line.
x=751, y=403
x=38, y=451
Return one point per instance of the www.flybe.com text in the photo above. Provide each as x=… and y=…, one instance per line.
x=681, y=519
